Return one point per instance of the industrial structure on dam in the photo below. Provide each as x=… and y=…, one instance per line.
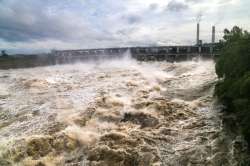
x=168, y=53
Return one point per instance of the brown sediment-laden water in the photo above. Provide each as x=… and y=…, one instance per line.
x=115, y=113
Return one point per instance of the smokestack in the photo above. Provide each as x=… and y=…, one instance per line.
x=198, y=34
x=213, y=34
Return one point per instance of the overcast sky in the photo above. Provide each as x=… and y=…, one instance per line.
x=42, y=25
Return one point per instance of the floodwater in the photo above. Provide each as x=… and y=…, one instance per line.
x=114, y=113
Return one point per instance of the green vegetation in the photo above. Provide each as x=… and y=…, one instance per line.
x=233, y=69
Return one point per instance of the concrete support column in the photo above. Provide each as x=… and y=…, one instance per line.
x=137, y=50
x=199, y=49
x=167, y=51
x=177, y=50
x=211, y=50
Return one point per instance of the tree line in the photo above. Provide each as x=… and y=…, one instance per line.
x=233, y=70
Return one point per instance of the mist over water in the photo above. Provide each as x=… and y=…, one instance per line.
x=114, y=112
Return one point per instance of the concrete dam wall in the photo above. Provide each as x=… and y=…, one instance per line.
x=164, y=53
x=168, y=53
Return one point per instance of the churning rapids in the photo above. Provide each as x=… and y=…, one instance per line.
x=114, y=113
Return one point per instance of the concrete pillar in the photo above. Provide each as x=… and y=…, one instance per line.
x=199, y=49
x=177, y=50
x=138, y=50
x=211, y=49
x=167, y=51
x=156, y=50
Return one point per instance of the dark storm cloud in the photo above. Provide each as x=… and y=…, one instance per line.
x=176, y=6
x=74, y=24
x=33, y=20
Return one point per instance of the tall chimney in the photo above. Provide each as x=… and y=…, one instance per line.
x=213, y=34
x=198, y=34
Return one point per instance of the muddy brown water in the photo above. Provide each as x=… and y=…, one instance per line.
x=115, y=113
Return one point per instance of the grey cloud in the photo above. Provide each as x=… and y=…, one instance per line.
x=195, y=1
x=30, y=20
x=176, y=6
x=126, y=31
x=153, y=6
x=201, y=1
x=224, y=1
x=131, y=18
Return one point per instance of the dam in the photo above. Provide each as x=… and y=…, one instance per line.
x=168, y=53
x=160, y=53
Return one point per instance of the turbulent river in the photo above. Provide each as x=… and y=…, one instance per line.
x=114, y=113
